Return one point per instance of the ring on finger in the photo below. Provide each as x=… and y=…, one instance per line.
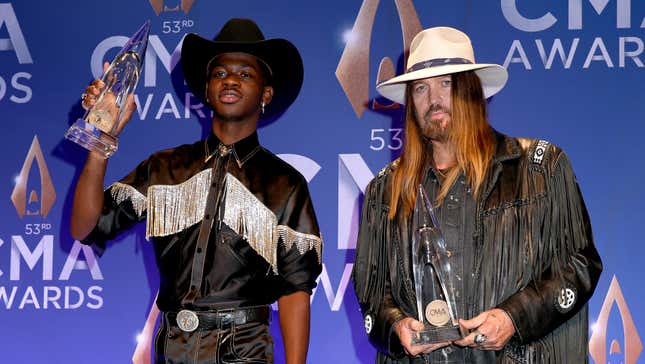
x=480, y=338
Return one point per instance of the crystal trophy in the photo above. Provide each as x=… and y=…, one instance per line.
x=434, y=281
x=97, y=130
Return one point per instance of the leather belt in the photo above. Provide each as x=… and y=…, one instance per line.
x=189, y=321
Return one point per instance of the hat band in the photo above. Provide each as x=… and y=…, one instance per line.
x=437, y=62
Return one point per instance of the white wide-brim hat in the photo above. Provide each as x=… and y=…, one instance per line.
x=441, y=51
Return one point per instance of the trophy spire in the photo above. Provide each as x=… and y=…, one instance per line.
x=138, y=43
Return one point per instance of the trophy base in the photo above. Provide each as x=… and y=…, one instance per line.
x=433, y=335
x=92, y=138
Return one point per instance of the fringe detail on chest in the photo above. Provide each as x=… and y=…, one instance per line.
x=122, y=192
x=173, y=208
x=249, y=217
x=522, y=240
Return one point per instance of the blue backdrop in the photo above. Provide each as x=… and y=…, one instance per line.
x=576, y=79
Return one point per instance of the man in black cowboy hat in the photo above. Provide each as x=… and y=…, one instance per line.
x=233, y=226
x=516, y=232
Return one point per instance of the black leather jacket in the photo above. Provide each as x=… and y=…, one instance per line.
x=534, y=250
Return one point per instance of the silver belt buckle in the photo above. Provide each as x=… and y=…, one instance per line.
x=187, y=320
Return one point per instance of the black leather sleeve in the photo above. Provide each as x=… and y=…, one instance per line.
x=382, y=335
x=371, y=274
x=541, y=307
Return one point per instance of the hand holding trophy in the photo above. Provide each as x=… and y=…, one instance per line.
x=107, y=100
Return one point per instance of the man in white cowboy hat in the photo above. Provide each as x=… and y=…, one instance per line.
x=233, y=226
x=514, y=222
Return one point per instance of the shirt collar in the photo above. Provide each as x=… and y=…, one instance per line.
x=241, y=150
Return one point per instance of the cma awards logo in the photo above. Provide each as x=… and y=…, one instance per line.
x=14, y=86
x=578, y=51
x=353, y=71
x=27, y=203
x=632, y=348
x=161, y=6
x=27, y=288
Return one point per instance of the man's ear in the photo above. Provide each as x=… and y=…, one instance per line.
x=267, y=95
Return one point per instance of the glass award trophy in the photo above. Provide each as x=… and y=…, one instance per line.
x=97, y=130
x=434, y=281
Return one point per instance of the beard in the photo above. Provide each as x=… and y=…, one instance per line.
x=435, y=129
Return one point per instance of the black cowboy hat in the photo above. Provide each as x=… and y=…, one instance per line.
x=243, y=35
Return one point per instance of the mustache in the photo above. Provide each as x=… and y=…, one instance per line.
x=434, y=108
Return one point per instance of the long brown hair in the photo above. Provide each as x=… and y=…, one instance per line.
x=470, y=135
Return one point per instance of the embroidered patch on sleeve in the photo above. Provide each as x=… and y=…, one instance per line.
x=369, y=323
x=566, y=299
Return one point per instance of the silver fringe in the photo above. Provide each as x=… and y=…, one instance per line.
x=122, y=192
x=303, y=242
x=173, y=208
x=247, y=216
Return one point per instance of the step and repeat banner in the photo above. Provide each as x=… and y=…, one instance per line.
x=576, y=79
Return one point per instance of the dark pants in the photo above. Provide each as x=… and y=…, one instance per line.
x=236, y=343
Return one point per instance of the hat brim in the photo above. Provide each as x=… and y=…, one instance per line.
x=280, y=55
x=493, y=78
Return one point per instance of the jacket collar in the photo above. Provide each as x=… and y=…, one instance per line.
x=241, y=150
x=505, y=148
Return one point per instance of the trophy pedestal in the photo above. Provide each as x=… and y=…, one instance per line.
x=92, y=138
x=432, y=335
